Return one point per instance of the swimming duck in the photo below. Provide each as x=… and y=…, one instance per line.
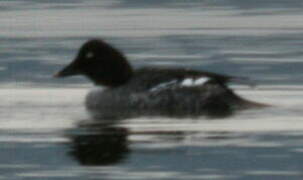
x=151, y=91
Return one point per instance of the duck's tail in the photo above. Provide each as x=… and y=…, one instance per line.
x=243, y=103
x=248, y=104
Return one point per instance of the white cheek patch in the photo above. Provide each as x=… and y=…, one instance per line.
x=90, y=55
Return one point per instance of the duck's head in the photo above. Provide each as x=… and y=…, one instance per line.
x=101, y=63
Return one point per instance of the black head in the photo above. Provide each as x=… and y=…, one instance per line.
x=101, y=63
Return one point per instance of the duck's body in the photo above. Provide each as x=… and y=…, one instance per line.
x=167, y=92
x=173, y=92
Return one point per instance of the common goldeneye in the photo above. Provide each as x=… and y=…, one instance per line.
x=151, y=91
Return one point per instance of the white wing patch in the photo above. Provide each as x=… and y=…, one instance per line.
x=188, y=82
x=201, y=81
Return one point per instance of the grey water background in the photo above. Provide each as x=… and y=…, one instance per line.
x=44, y=127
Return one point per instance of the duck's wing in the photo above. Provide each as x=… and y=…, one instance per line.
x=186, y=92
x=224, y=79
x=180, y=77
x=181, y=83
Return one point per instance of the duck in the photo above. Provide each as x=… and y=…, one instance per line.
x=151, y=91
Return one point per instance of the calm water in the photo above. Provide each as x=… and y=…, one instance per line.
x=47, y=134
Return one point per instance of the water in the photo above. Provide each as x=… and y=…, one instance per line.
x=47, y=134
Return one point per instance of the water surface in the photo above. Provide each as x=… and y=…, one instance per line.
x=46, y=132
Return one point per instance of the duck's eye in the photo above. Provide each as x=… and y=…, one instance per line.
x=89, y=55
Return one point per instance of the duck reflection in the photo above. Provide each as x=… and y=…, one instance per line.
x=99, y=145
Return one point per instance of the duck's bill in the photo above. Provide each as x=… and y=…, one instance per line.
x=69, y=70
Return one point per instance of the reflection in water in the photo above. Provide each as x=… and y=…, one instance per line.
x=101, y=143
x=227, y=154
x=100, y=146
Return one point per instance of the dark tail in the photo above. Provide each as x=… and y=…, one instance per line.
x=242, y=103
x=247, y=104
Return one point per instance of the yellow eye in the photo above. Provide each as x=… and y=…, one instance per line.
x=89, y=55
